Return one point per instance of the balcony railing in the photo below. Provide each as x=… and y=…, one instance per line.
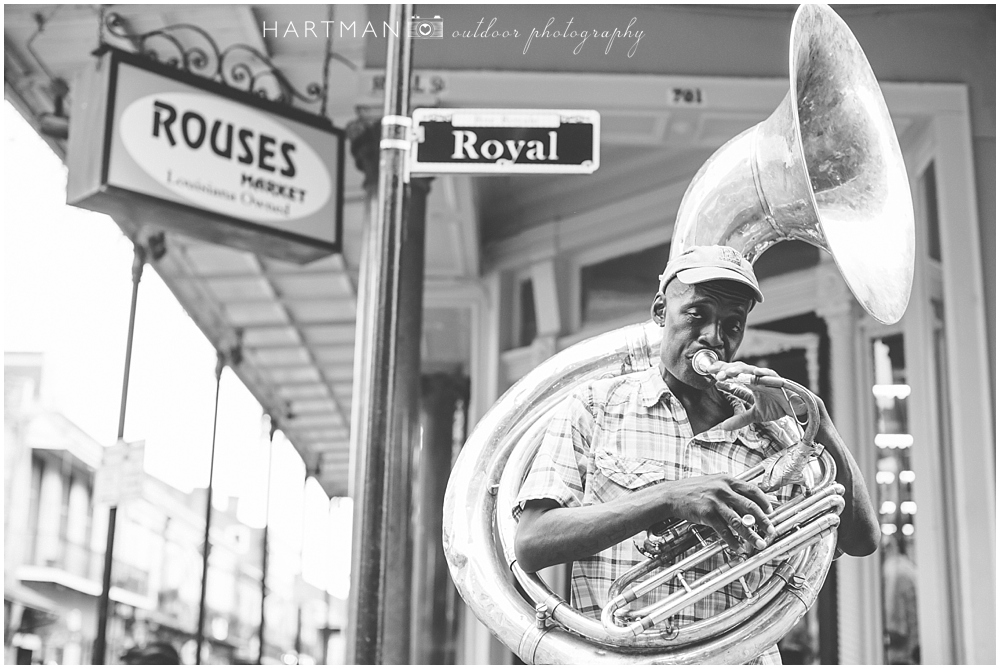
x=57, y=552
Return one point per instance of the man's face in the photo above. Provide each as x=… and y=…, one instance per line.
x=710, y=315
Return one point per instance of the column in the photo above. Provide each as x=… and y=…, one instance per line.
x=77, y=551
x=98, y=536
x=971, y=390
x=382, y=552
x=50, y=506
x=547, y=311
x=858, y=594
x=474, y=638
x=434, y=600
x=18, y=480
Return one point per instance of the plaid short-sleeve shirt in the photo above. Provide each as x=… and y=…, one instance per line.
x=618, y=435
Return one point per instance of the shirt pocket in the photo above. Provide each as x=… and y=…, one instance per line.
x=627, y=473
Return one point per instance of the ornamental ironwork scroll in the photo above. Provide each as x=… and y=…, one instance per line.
x=192, y=49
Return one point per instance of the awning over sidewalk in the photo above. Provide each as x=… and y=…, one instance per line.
x=36, y=610
x=296, y=323
x=19, y=594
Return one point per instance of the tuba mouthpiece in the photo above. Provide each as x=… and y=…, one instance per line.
x=703, y=359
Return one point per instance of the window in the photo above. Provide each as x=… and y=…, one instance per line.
x=527, y=319
x=933, y=223
x=621, y=286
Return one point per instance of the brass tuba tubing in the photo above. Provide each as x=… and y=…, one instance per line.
x=712, y=582
x=831, y=501
x=786, y=519
x=742, y=611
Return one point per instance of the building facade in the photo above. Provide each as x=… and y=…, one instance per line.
x=54, y=556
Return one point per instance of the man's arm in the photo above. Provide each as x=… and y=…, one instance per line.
x=859, y=533
x=549, y=534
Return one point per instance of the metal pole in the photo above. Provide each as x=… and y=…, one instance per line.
x=325, y=658
x=298, y=634
x=267, y=510
x=220, y=364
x=301, y=581
x=372, y=442
x=103, y=603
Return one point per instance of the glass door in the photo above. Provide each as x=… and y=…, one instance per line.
x=894, y=499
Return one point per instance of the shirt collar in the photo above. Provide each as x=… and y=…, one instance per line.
x=652, y=387
x=748, y=435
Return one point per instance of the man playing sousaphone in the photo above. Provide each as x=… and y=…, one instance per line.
x=673, y=447
x=625, y=453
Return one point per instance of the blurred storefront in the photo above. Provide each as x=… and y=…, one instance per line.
x=520, y=267
x=54, y=553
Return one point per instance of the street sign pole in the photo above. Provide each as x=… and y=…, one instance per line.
x=381, y=316
x=103, y=603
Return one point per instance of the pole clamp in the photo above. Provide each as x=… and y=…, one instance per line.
x=404, y=144
x=393, y=119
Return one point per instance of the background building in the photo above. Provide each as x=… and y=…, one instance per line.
x=54, y=555
x=520, y=267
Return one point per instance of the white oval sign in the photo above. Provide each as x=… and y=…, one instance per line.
x=225, y=157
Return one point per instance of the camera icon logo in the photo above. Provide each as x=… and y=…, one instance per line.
x=426, y=28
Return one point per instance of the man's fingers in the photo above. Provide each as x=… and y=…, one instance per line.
x=722, y=529
x=731, y=369
x=737, y=421
x=759, y=517
x=754, y=494
x=752, y=500
x=744, y=527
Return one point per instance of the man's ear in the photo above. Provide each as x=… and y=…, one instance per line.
x=658, y=309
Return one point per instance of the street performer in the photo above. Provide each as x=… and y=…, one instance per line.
x=624, y=453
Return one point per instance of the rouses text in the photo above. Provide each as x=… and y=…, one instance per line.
x=194, y=129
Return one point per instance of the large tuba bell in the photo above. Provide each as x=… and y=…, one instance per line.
x=824, y=168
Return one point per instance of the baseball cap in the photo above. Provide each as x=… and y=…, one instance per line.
x=711, y=263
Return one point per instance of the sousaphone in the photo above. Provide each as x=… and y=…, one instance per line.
x=824, y=168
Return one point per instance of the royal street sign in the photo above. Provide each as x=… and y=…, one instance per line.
x=170, y=150
x=505, y=141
